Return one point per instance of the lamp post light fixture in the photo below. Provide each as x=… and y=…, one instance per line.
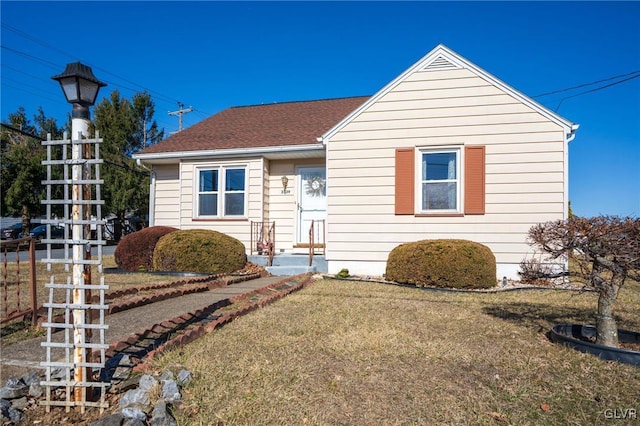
x=285, y=183
x=80, y=88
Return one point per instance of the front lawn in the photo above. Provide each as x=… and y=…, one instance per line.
x=342, y=352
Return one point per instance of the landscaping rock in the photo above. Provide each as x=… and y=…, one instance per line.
x=170, y=391
x=14, y=388
x=133, y=422
x=15, y=416
x=184, y=377
x=4, y=408
x=36, y=390
x=135, y=399
x=148, y=382
x=134, y=413
x=161, y=416
x=110, y=420
x=20, y=403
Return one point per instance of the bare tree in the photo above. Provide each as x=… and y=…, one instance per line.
x=604, y=252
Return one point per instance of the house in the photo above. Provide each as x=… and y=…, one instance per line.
x=445, y=150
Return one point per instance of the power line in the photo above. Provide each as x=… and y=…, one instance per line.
x=27, y=85
x=15, y=129
x=595, y=90
x=74, y=57
x=30, y=56
x=70, y=55
x=33, y=93
x=586, y=84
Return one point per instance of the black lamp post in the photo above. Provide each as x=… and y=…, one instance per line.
x=80, y=87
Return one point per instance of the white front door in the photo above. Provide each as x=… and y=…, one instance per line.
x=312, y=199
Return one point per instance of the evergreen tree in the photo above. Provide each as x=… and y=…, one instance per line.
x=126, y=127
x=146, y=131
x=21, y=171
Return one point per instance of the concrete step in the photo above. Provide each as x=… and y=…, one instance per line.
x=282, y=271
x=291, y=264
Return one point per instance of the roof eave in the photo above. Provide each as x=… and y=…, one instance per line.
x=273, y=152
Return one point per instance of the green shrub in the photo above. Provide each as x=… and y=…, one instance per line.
x=135, y=251
x=199, y=250
x=344, y=273
x=443, y=263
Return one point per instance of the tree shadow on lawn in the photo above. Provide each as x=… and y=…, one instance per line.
x=538, y=316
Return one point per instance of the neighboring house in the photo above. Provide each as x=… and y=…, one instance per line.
x=445, y=150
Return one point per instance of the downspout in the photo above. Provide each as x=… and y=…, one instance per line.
x=152, y=192
x=569, y=137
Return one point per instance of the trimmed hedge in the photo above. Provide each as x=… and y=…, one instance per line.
x=135, y=251
x=443, y=263
x=199, y=250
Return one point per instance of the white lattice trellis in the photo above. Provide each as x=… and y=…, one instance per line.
x=76, y=182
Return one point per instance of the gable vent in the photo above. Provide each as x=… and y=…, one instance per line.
x=440, y=63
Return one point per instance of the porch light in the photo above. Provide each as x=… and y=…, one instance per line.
x=285, y=183
x=79, y=85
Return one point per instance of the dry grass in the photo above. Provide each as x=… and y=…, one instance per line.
x=342, y=352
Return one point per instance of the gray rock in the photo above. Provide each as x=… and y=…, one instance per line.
x=31, y=378
x=14, y=388
x=60, y=373
x=148, y=382
x=184, y=377
x=167, y=375
x=36, y=390
x=19, y=403
x=15, y=416
x=170, y=391
x=161, y=416
x=5, y=404
x=110, y=420
x=133, y=422
x=136, y=398
x=134, y=413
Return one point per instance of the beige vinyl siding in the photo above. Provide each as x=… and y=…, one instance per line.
x=266, y=190
x=282, y=207
x=525, y=169
x=167, y=194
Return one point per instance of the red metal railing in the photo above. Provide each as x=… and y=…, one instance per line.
x=263, y=239
x=316, y=233
x=14, y=307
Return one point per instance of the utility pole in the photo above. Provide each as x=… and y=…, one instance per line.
x=181, y=110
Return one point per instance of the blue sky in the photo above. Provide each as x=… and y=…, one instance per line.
x=213, y=55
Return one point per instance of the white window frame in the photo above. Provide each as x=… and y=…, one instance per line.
x=458, y=151
x=220, y=191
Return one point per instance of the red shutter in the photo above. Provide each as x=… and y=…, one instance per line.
x=405, y=180
x=474, y=181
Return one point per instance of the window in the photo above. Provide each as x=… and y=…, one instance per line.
x=433, y=178
x=221, y=190
x=208, y=194
x=440, y=181
x=234, y=192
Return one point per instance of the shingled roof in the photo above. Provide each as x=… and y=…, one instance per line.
x=271, y=125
